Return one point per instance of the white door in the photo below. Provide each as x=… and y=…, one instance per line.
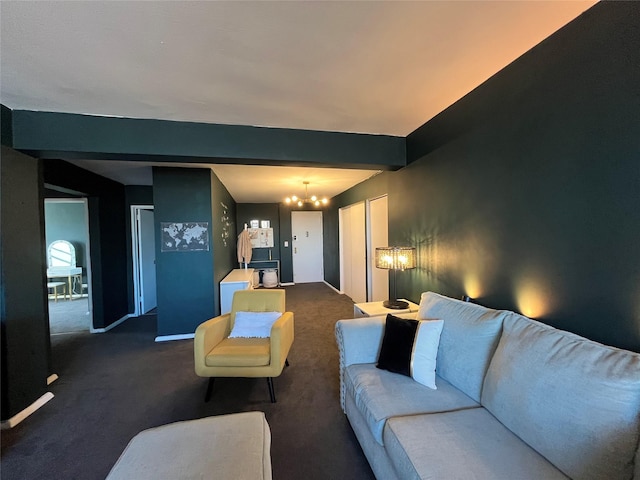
x=378, y=227
x=306, y=233
x=144, y=259
x=354, y=255
x=147, y=261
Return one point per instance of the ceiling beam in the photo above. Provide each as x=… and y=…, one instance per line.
x=74, y=136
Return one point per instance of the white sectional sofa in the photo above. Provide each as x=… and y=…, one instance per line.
x=515, y=399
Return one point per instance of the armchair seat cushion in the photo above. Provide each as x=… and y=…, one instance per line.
x=240, y=352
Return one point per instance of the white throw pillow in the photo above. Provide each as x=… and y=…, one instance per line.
x=254, y=324
x=425, y=351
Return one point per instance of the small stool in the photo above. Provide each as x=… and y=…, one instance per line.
x=235, y=446
x=54, y=286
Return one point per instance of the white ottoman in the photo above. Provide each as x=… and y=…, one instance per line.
x=236, y=446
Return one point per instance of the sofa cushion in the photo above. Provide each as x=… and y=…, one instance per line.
x=254, y=324
x=425, y=352
x=397, y=345
x=469, y=337
x=575, y=401
x=410, y=347
x=379, y=395
x=240, y=352
x=465, y=444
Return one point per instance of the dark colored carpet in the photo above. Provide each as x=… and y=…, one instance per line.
x=115, y=384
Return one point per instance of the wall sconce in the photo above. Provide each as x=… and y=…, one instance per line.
x=395, y=258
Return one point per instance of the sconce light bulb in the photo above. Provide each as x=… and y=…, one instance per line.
x=300, y=203
x=294, y=198
x=287, y=200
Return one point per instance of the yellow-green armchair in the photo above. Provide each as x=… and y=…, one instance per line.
x=218, y=355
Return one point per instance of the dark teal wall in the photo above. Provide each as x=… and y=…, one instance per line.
x=225, y=257
x=525, y=194
x=260, y=211
x=65, y=220
x=23, y=303
x=286, y=254
x=107, y=236
x=185, y=280
x=6, y=126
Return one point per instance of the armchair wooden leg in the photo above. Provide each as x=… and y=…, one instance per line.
x=271, y=392
x=207, y=396
x=286, y=362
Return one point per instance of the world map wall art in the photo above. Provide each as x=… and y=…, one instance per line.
x=184, y=236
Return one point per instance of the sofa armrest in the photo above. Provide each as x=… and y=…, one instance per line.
x=359, y=341
x=207, y=336
x=281, y=338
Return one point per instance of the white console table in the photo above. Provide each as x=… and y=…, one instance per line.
x=238, y=279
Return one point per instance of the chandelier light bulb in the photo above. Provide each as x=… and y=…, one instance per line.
x=301, y=201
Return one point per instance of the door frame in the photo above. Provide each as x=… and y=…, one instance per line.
x=341, y=240
x=85, y=202
x=321, y=244
x=369, y=248
x=135, y=257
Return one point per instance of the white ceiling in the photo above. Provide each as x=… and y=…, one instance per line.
x=365, y=67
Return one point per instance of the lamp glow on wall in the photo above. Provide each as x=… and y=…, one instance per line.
x=395, y=258
x=301, y=201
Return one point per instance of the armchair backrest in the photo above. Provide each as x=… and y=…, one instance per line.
x=271, y=300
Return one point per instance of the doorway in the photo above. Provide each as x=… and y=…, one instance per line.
x=144, y=259
x=353, y=255
x=308, y=258
x=68, y=265
x=363, y=227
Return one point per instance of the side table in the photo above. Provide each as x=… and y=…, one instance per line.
x=370, y=309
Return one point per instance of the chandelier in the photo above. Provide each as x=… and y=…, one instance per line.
x=313, y=200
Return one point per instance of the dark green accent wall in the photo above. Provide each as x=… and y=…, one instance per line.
x=23, y=303
x=187, y=282
x=260, y=211
x=64, y=135
x=286, y=254
x=525, y=194
x=225, y=257
x=6, y=126
x=107, y=237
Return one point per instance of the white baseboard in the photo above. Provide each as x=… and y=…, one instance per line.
x=168, y=338
x=333, y=288
x=19, y=417
x=52, y=378
x=109, y=327
x=287, y=284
